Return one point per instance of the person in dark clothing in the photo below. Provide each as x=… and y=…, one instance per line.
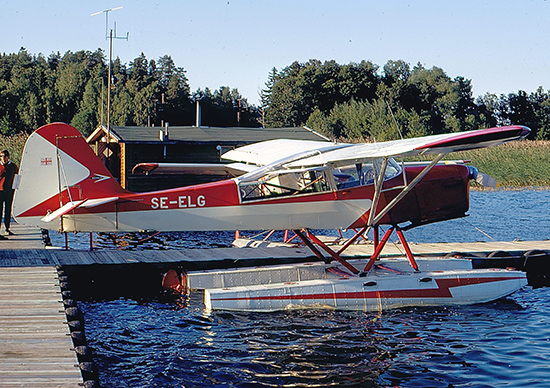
x=8, y=170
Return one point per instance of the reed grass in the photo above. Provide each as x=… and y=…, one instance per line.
x=14, y=144
x=516, y=164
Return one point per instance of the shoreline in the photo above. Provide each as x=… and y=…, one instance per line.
x=510, y=188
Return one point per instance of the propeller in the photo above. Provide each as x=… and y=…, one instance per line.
x=483, y=179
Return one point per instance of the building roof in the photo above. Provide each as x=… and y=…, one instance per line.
x=192, y=134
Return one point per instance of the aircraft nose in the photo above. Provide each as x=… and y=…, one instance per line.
x=473, y=172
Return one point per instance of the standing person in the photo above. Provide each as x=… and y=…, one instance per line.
x=7, y=173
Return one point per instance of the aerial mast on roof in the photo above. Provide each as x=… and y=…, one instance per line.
x=110, y=37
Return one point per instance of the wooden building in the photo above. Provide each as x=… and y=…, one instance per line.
x=129, y=146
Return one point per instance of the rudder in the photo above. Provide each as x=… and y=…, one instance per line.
x=58, y=166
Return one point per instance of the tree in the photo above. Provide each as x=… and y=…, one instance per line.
x=174, y=88
x=541, y=105
x=226, y=107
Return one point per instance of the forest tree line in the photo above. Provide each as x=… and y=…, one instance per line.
x=351, y=101
x=72, y=88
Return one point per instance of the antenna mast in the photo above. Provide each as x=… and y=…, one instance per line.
x=110, y=37
x=106, y=12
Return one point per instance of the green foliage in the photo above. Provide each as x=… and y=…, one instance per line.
x=72, y=88
x=353, y=101
x=225, y=107
x=14, y=144
x=300, y=89
x=358, y=101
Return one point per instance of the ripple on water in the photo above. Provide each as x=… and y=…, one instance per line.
x=158, y=344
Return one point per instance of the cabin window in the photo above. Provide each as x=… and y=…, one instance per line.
x=363, y=173
x=282, y=184
x=353, y=175
x=392, y=170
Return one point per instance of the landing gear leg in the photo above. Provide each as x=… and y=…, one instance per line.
x=334, y=255
x=382, y=243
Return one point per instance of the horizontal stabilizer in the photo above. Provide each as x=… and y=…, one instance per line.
x=62, y=210
x=69, y=206
x=97, y=202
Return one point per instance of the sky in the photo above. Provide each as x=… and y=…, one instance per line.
x=501, y=46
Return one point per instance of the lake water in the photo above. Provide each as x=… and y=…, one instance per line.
x=160, y=342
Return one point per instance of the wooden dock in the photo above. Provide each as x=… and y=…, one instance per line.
x=197, y=259
x=35, y=346
x=26, y=249
x=25, y=237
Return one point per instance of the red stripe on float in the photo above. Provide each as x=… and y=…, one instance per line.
x=443, y=291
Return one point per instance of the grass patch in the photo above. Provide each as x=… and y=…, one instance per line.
x=516, y=164
x=14, y=144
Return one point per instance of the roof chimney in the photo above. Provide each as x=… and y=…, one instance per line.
x=198, y=122
x=163, y=133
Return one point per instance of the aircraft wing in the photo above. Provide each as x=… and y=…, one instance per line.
x=270, y=151
x=435, y=144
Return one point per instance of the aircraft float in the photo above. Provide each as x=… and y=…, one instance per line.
x=285, y=185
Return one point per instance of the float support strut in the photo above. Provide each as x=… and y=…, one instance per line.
x=378, y=249
x=407, y=248
x=333, y=254
x=383, y=242
x=269, y=235
x=309, y=244
x=351, y=240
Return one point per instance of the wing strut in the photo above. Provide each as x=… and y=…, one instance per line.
x=403, y=192
x=378, y=183
x=374, y=219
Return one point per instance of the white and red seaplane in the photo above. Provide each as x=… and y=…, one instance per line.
x=285, y=185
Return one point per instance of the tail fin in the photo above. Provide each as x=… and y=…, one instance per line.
x=58, y=168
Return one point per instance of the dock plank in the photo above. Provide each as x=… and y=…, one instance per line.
x=26, y=237
x=35, y=349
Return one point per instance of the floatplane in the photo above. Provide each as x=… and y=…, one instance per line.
x=285, y=185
